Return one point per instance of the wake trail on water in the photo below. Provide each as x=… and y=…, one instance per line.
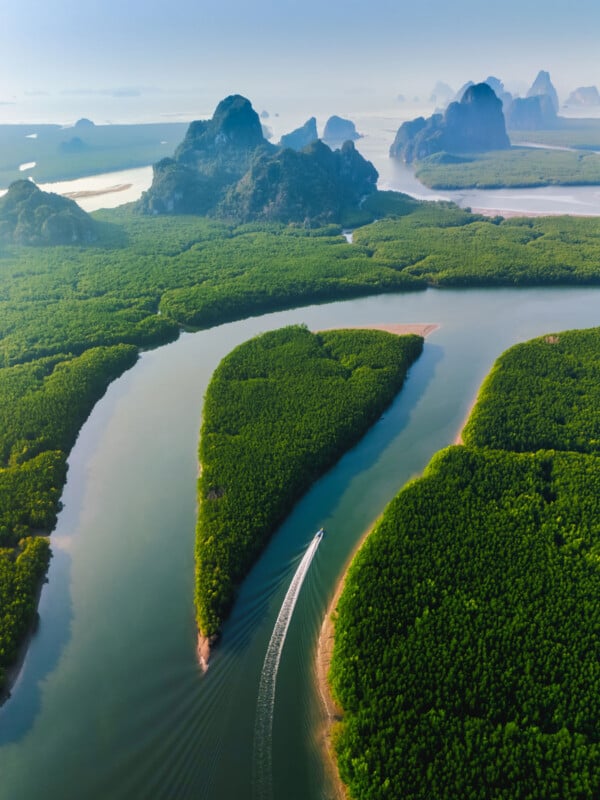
x=263, y=729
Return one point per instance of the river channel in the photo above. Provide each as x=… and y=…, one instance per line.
x=110, y=702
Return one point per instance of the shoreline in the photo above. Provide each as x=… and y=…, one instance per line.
x=332, y=714
x=459, y=436
x=400, y=329
x=510, y=213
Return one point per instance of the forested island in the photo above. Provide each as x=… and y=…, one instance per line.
x=466, y=650
x=73, y=317
x=280, y=410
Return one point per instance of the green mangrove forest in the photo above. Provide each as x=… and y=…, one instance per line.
x=467, y=635
x=519, y=167
x=279, y=410
x=74, y=317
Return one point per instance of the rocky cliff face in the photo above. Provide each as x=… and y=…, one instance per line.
x=33, y=217
x=542, y=85
x=316, y=185
x=535, y=113
x=474, y=124
x=213, y=155
x=225, y=167
x=301, y=137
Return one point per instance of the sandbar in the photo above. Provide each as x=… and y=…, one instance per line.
x=400, y=329
x=118, y=187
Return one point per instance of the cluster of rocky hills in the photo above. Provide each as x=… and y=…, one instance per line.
x=478, y=118
x=225, y=166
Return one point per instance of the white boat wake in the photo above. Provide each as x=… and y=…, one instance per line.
x=263, y=729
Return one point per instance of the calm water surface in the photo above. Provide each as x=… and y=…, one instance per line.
x=110, y=702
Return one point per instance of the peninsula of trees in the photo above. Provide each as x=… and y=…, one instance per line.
x=280, y=410
x=466, y=651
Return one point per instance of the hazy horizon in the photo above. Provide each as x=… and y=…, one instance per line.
x=144, y=60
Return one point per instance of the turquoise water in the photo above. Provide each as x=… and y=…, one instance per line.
x=110, y=701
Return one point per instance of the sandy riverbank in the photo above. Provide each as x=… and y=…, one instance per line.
x=459, y=435
x=333, y=713
x=418, y=328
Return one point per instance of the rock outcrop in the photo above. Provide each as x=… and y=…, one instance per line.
x=338, y=130
x=213, y=155
x=33, y=217
x=316, y=185
x=475, y=124
x=301, y=137
x=535, y=113
x=225, y=167
x=587, y=96
x=543, y=85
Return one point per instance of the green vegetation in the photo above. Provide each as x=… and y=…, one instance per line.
x=542, y=394
x=21, y=573
x=582, y=134
x=447, y=246
x=64, y=153
x=72, y=318
x=280, y=409
x=517, y=167
x=466, y=655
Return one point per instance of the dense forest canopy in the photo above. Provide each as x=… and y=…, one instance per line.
x=73, y=317
x=467, y=656
x=279, y=410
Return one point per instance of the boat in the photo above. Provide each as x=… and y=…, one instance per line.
x=319, y=533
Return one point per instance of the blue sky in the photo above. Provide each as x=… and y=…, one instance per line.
x=267, y=48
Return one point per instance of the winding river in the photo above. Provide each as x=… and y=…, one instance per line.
x=110, y=701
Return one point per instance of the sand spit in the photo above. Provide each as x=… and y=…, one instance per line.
x=400, y=329
x=203, y=650
x=118, y=187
